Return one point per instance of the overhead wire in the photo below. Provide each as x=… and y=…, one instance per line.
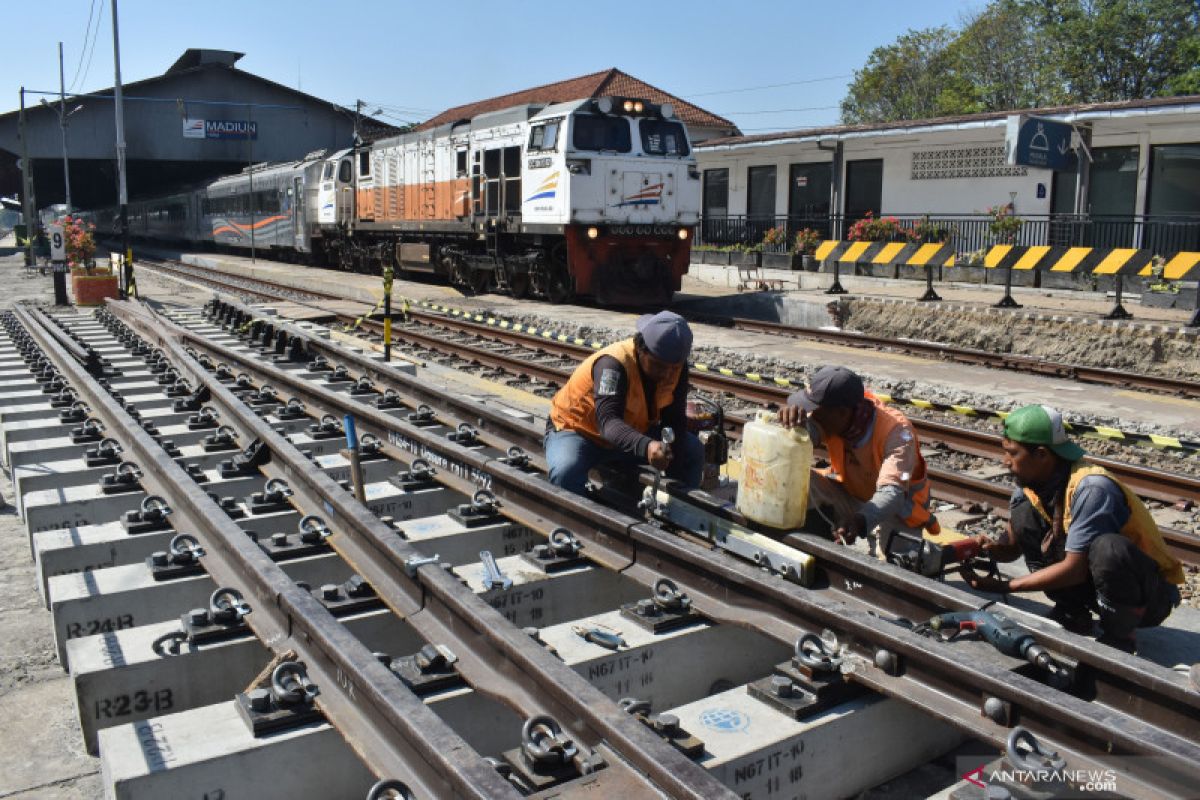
x=764, y=86
x=92, y=51
x=87, y=32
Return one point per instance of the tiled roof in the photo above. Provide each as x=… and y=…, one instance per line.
x=598, y=84
x=835, y=130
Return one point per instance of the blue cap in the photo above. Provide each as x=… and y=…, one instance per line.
x=667, y=336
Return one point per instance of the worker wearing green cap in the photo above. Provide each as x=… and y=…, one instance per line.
x=1089, y=542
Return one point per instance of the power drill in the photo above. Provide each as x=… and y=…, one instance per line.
x=1006, y=636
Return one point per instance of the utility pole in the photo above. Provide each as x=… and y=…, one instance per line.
x=250, y=159
x=27, y=205
x=62, y=125
x=128, y=286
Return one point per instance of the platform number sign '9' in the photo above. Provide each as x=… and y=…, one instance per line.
x=58, y=243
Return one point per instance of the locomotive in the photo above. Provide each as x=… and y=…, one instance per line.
x=594, y=198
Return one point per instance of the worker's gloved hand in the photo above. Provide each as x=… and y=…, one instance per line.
x=792, y=416
x=658, y=455
x=847, y=533
x=983, y=583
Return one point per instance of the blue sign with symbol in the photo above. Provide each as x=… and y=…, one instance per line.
x=724, y=720
x=1039, y=142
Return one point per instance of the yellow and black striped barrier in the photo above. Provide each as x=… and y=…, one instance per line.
x=1090, y=431
x=1179, y=265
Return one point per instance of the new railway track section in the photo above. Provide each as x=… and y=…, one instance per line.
x=733, y=579
x=530, y=359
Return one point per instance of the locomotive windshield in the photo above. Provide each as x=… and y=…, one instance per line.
x=601, y=133
x=663, y=138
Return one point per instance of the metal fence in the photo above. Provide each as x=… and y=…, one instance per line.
x=970, y=232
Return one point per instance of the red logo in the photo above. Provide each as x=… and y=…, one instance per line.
x=973, y=777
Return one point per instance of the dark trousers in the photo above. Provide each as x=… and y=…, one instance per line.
x=1123, y=585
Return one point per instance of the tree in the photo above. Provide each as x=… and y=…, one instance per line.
x=1029, y=53
x=1110, y=50
x=910, y=79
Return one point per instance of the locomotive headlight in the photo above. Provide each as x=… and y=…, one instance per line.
x=683, y=234
x=593, y=232
x=628, y=106
x=638, y=107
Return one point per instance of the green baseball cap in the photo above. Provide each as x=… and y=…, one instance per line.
x=1041, y=425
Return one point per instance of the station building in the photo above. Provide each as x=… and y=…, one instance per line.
x=201, y=119
x=1141, y=188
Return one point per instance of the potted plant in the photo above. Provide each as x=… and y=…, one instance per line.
x=90, y=285
x=927, y=231
x=878, y=229
x=806, y=244
x=775, y=253
x=1005, y=224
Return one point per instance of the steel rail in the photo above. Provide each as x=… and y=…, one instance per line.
x=947, y=484
x=1159, y=485
x=727, y=587
x=966, y=355
x=495, y=658
x=392, y=729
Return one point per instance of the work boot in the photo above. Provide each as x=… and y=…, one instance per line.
x=1119, y=624
x=1075, y=620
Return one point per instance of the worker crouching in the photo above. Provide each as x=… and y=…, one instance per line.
x=615, y=405
x=1089, y=542
x=876, y=476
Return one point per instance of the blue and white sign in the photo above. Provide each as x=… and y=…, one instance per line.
x=724, y=720
x=1039, y=142
x=220, y=129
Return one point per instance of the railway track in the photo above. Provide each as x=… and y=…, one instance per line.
x=967, y=355
x=480, y=685
x=548, y=359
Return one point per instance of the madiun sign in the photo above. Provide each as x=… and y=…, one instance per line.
x=219, y=129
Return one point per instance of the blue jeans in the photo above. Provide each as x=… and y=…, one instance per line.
x=570, y=455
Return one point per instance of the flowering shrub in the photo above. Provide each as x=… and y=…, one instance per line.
x=929, y=232
x=882, y=229
x=1005, y=225
x=775, y=238
x=807, y=241
x=81, y=242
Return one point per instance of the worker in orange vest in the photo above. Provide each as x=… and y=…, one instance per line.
x=1089, y=542
x=617, y=402
x=876, y=476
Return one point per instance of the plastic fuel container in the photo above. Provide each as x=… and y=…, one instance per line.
x=776, y=464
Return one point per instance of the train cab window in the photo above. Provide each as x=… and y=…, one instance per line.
x=544, y=137
x=662, y=138
x=327, y=175
x=364, y=164
x=599, y=134
x=344, y=175
x=460, y=163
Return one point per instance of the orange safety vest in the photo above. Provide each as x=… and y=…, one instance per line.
x=574, y=406
x=1140, y=527
x=861, y=477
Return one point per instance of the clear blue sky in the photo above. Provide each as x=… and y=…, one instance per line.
x=764, y=65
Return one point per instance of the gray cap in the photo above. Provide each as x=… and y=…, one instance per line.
x=667, y=336
x=830, y=387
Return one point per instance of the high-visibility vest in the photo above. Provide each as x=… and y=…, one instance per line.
x=574, y=406
x=1140, y=528
x=860, y=480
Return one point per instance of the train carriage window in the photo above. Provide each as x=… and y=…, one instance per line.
x=460, y=163
x=544, y=138
x=364, y=164
x=601, y=133
x=663, y=138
